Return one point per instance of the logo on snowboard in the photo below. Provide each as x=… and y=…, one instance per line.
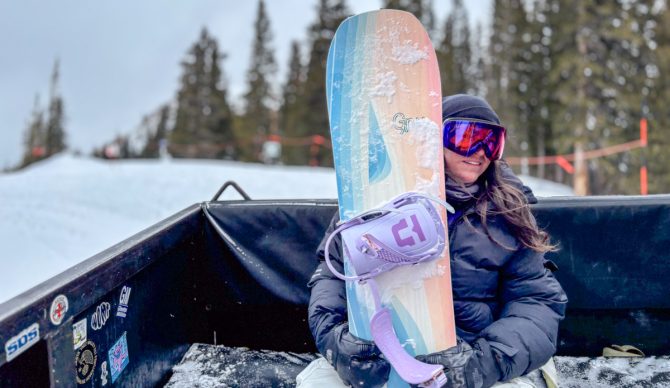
x=401, y=122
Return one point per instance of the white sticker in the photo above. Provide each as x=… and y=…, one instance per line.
x=59, y=307
x=104, y=373
x=22, y=341
x=122, y=310
x=100, y=316
x=79, y=333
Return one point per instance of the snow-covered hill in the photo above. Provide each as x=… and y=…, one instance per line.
x=63, y=210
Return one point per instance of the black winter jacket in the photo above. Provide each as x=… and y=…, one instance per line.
x=510, y=298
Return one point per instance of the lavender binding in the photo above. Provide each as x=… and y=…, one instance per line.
x=406, y=231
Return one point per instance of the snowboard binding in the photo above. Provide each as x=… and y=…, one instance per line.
x=408, y=230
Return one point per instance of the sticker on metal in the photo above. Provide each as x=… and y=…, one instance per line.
x=100, y=316
x=22, y=341
x=118, y=357
x=59, y=307
x=86, y=360
x=122, y=310
x=103, y=373
x=79, y=333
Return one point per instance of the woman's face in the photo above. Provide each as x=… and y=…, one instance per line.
x=465, y=169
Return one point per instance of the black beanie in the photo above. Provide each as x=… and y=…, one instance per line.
x=468, y=107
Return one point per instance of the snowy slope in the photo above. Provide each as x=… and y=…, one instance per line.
x=61, y=211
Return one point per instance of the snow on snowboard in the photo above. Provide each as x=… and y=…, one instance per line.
x=384, y=106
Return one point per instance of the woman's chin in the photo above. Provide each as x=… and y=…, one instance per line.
x=466, y=179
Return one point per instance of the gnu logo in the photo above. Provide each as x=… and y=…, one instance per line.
x=398, y=231
x=401, y=122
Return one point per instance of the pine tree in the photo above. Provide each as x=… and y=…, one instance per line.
x=222, y=116
x=124, y=147
x=161, y=133
x=203, y=122
x=157, y=134
x=624, y=46
x=428, y=18
x=648, y=45
x=522, y=54
x=259, y=98
x=597, y=76
x=525, y=74
x=145, y=134
x=479, y=65
x=46, y=136
x=454, y=53
x=445, y=53
x=55, y=131
x=462, y=49
x=34, y=136
x=330, y=14
x=540, y=126
x=293, y=107
x=502, y=31
x=657, y=35
x=422, y=9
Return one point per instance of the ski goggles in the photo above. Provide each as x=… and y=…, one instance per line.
x=467, y=136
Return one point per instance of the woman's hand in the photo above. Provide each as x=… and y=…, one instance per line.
x=465, y=366
x=358, y=362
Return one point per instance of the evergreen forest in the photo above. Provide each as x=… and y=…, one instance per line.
x=572, y=80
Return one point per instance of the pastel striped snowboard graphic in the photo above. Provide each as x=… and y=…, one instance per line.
x=384, y=106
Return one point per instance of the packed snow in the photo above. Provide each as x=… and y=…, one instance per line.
x=620, y=372
x=65, y=209
x=206, y=366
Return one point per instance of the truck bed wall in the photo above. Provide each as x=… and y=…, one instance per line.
x=162, y=319
x=614, y=263
x=236, y=273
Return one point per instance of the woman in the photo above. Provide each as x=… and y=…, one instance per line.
x=507, y=303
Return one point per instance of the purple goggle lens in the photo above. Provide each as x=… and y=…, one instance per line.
x=466, y=136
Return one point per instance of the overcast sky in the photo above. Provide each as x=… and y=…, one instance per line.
x=119, y=60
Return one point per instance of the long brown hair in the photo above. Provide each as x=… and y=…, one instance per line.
x=512, y=204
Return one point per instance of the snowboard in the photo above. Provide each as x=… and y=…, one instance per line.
x=385, y=109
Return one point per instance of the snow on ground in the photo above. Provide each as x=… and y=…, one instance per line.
x=63, y=210
x=545, y=188
x=620, y=372
x=205, y=366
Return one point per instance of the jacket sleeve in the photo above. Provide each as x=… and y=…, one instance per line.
x=524, y=336
x=328, y=301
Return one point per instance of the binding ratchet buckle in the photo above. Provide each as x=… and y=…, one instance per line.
x=406, y=231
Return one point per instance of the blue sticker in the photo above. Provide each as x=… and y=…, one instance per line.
x=118, y=357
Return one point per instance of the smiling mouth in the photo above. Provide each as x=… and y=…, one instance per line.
x=472, y=163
